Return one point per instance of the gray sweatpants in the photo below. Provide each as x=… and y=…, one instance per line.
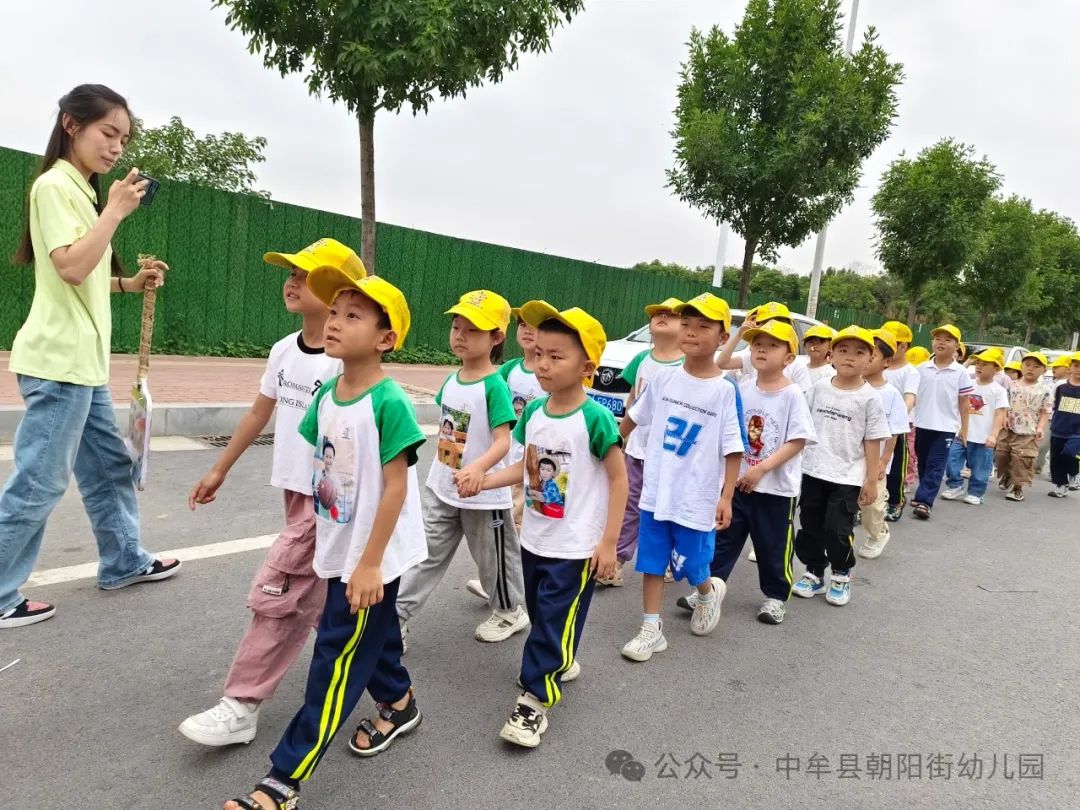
x=493, y=544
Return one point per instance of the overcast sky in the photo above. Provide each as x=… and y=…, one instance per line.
x=568, y=155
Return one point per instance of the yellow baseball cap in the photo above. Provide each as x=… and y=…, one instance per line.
x=820, y=330
x=484, y=309
x=1076, y=358
x=855, y=333
x=1036, y=356
x=901, y=331
x=917, y=355
x=886, y=336
x=710, y=306
x=325, y=252
x=777, y=329
x=768, y=311
x=1062, y=362
x=589, y=330
x=667, y=303
x=993, y=356
x=950, y=330
x=1013, y=366
x=327, y=282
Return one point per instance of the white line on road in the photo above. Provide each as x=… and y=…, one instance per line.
x=70, y=573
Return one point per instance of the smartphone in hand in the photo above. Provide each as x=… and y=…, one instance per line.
x=151, y=189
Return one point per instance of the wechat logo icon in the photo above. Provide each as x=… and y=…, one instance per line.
x=622, y=763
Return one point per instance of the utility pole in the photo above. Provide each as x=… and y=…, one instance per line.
x=819, y=249
x=721, y=256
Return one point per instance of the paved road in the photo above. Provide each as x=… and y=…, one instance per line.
x=957, y=642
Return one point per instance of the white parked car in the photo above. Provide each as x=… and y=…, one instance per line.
x=611, y=391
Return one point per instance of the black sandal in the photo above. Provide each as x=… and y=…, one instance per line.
x=403, y=721
x=283, y=796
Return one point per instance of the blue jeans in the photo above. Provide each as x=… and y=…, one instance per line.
x=68, y=429
x=979, y=459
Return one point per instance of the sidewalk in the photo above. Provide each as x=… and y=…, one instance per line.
x=203, y=395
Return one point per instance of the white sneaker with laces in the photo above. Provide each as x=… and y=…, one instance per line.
x=707, y=614
x=873, y=547
x=650, y=639
x=527, y=722
x=228, y=723
x=973, y=500
x=500, y=626
x=952, y=494
x=772, y=611
x=474, y=587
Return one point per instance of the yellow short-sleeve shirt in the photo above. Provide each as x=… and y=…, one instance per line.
x=67, y=335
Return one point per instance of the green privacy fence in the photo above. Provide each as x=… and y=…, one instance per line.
x=222, y=299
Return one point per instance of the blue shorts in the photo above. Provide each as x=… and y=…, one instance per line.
x=661, y=543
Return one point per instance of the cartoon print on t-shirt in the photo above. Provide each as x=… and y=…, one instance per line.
x=519, y=405
x=549, y=477
x=977, y=404
x=755, y=426
x=763, y=437
x=333, y=483
x=453, y=433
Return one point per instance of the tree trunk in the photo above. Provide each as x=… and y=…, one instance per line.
x=984, y=320
x=744, y=278
x=1027, y=334
x=913, y=305
x=367, y=190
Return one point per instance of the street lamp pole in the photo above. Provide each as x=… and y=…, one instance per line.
x=819, y=248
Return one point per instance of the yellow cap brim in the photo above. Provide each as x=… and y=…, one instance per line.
x=291, y=260
x=792, y=343
x=327, y=283
x=535, y=313
x=841, y=338
x=476, y=316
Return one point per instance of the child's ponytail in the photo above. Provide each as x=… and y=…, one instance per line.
x=84, y=105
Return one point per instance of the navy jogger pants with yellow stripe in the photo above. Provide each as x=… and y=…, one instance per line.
x=557, y=594
x=769, y=521
x=898, y=473
x=352, y=653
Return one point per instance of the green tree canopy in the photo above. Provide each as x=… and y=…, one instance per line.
x=375, y=55
x=1004, y=259
x=174, y=152
x=773, y=123
x=929, y=214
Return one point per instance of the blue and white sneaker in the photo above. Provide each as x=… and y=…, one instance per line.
x=809, y=586
x=839, y=589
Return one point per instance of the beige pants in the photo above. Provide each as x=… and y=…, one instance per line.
x=873, y=516
x=1015, y=457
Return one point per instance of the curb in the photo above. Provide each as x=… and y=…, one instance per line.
x=201, y=419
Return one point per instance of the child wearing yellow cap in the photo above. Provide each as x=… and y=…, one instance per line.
x=281, y=617
x=576, y=486
x=940, y=416
x=840, y=471
x=369, y=532
x=665, y=353
x=692, y=458
x=474, y=439
x=903, y=374
x=1059, y=372
x=989, y=405
x=896, y=414
x=1065, y=433
x=731, y=360
x=817, y=341
x=778, y=426
x=1030, y=402
x=1013, y=370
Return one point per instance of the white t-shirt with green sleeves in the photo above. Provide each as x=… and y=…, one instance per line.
x=352, y=441
x=638, y=373
x=470, y=413
x=524, y=388
x=566, y=485
x=67, y=335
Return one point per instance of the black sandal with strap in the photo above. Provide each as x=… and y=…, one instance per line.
x=402, y=720
x=283, y=796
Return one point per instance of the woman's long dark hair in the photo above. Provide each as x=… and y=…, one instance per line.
x=85, y=104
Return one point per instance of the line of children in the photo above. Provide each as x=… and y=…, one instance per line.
x=664, y=328
x=474, y=439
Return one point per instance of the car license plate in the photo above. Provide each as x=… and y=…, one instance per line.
x=613, y=404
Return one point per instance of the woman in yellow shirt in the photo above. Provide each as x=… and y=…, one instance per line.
x=61, y=357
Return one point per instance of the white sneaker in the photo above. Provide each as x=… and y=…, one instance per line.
x=952, y=494
x=650, y=639
x=571, y=674
x=974, y=500
x=707, y=614
x=527, y=722
x=474, y=587
x=228, y=723
x=500, y=626
x=772, y=611
x=872, y=548
x=752, y=557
